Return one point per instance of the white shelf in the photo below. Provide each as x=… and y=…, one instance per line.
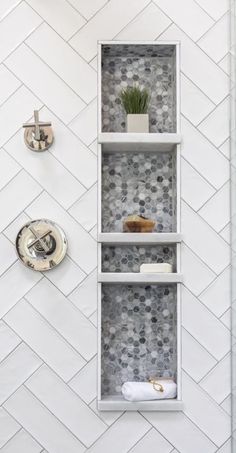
x=138, y=277
x=113, y=141
x=114, y=403
x=139, y=238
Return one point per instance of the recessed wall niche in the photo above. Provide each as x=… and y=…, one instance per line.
x=142, y=183
x=149, y=66
x=138, y=334
x=128, y=258
x=138, y=175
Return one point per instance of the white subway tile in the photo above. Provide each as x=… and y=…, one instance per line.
x=6, y=6
x=81, y=246
x=66, y=276
x=195, y=105
x=106, y=24
x=8, y=83
x=122, y=435
x=225, y=148
x=16, y=196
x=195, y=190
x=85, y=382
x=79, y=160
x=78, y=74
x=94, y=147
x=8, y=340
x=41, y=423
x=8, y=168
x=85, y=209
x=212, y=420
x=12, y=117
x=94, y=319
x=59, y=15
x=217, y=296
x=196, y=360
x=64, y=317
x=200, y=153
x=7, y=254
x=15, y=369
x=109, y=417
x=225, y=233
x=226, y=405
x=9, y=427
x=66, y=406
x=215, y=8
x=203, y=240
x=226, y=318
x=47, y=85
x=226, y=448
x=218, y=382
x=187, y=15
x=14, y=227
x=216, y=126
x=151, y=439
x=21, y=22
x=191, y=265
x=149, y=24
x=225, y=64
x=193, y=60
x=85, y=296
x=47, y=171
x=88, y=9
x=24, y=279
x=94, y=232
x=22, y=442
x=216, y=41
x=85, y=124
x=45, y=341
x=181, y=432
x=203, y=325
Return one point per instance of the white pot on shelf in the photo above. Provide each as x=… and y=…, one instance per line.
x=138, y=122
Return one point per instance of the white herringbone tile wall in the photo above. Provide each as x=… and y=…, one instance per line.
x=48, y=321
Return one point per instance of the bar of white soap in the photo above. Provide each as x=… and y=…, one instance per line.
x=155, y=267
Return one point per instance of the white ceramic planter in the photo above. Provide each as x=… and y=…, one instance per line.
x=138, y=122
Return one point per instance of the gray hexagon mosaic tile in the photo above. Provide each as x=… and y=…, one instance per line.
x=150, y=67
x=128, y=258
x=142, y=183
x=138, y=334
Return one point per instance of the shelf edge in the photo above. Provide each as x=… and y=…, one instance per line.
x=163, y=406
x=140, y=238
x=125, y=137
x=138, y=277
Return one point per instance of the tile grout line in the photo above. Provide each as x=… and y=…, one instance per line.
x=196, y=44
x=43, y=190
x=11, y=10
x=201, y=176
x=209, y=311
x=205, y=222
x=55, y=329
x=21, y=428
x=54, y=415
x=211, y=371
x=210, y=29
x=208, y=13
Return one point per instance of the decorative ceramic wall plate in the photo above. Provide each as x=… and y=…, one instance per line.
x=41, y=244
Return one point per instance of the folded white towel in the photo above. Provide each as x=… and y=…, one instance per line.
x=144, y=391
